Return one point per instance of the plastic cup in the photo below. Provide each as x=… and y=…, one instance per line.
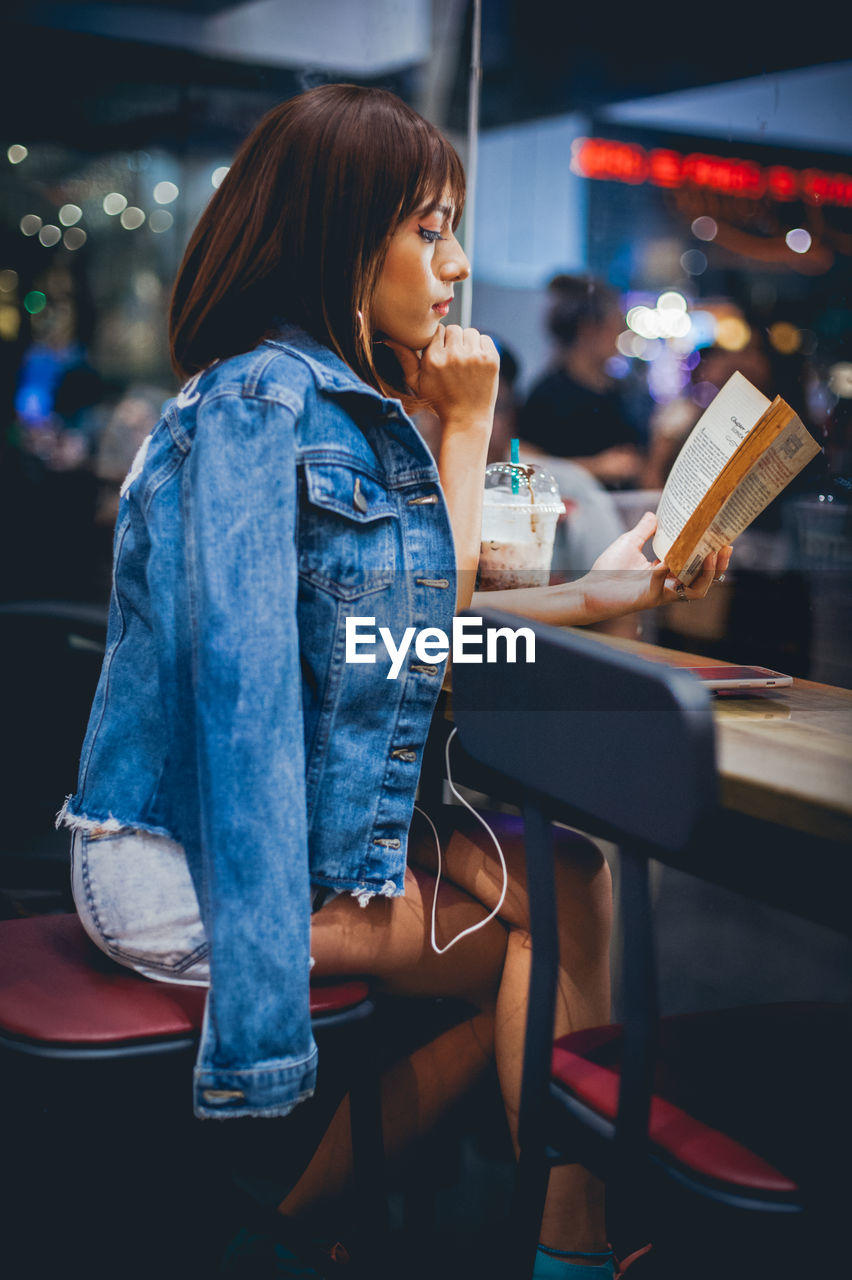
x=520, y=511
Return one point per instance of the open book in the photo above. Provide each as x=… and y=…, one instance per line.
x=740, y=454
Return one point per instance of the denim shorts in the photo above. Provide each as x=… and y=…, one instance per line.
x=136, y=900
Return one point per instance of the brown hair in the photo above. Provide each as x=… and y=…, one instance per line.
x=300, y=226
x=576, y=301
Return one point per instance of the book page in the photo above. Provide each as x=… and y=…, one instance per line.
x=786, y=456
x=715, y=437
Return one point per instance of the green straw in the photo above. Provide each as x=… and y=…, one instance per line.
x=516, y=461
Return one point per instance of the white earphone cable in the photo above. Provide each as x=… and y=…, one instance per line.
x=482, y=923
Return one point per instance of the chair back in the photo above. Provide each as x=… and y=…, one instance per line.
x=624, y=745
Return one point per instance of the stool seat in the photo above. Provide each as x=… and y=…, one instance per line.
x=722, y=1080
x=59, y=989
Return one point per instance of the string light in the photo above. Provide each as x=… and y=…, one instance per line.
x=115, y=203
x=160, y=220
x=132, y=218
x=69, y=214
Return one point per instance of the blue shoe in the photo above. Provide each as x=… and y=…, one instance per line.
x=262, y=1255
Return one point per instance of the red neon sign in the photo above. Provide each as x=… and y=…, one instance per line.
x=611, y=161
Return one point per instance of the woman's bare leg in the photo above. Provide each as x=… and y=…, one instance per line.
x=574, y=1208
x=389, y=940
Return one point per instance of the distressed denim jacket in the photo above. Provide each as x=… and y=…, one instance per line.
x=278, y=495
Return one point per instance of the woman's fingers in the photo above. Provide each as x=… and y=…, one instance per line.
x=645, y=528
x=702, y=583
x=458, y=374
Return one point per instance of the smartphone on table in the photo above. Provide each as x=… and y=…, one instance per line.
x=724, y=678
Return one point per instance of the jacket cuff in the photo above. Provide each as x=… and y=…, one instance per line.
x=271, y=1090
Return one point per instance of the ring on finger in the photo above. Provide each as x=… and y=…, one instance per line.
x=681, y=593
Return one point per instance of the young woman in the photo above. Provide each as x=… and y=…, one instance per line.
x=238, y=770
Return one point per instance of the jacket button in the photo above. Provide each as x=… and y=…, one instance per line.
x=404, y=753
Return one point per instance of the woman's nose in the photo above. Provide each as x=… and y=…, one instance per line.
x=455, y=265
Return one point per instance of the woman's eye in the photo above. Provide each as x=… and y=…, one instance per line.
x=429, y=236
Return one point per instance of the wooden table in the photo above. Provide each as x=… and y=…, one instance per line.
x=783, y=829
x=784, y=755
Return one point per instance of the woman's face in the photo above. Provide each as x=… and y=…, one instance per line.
x=415, y=287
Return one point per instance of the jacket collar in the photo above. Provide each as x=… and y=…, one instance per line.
x=330, y=371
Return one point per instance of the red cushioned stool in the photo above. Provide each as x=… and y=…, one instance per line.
x=721, y=1082
x=96, y=1075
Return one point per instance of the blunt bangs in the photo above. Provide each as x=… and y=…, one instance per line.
x=438, y=172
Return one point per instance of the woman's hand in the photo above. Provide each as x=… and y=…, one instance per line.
x=457, y=373
x=622, y=580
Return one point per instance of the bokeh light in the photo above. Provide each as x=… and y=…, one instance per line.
x=644, y=321
x=694, y=262
x=69, y=214
x=166, y=192
x=671, y=300
x=648, y=349
x=705, y=228
x=617, y=367
x=732, y=333
x=840, y=379
x=674, y=324
x=16, y=153
x=30, y=224
x=34, y=302
x=160, y=220
x=703, y=328
x=132, y=218
x=217, y=177
x=799, y=240
x=703, y=393
x=785, y=337
x=49, y=235
x=10, y=323
x=115, y=203
x=8, y=280
x=74, y=238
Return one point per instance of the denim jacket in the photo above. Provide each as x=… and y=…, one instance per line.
x=278, y=495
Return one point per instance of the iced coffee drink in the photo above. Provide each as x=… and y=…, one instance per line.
x=521, y=507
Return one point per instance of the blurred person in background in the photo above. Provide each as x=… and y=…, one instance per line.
x=575, y=411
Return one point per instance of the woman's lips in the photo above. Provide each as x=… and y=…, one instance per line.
x=441, y=308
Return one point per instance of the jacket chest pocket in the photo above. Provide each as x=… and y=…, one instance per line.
x=347, y=530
